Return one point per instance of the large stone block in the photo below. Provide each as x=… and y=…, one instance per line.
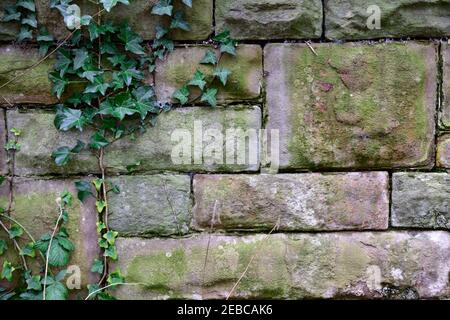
x=151, y=151
x=3, y=154
x=355, y=19
x=355, y=265
x=151, y=205
x=443, y=151
x=8, y=30
x=244, y=83
x=296, y=202
x=352, y=105
x=35, y=207
x=138, y=14
x=445, y=108
x=421, y=200
x=270, y=19
x=31, y=85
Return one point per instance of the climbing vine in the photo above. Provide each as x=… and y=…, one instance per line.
x=103, y=79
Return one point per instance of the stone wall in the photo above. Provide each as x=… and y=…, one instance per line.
x=359, y=202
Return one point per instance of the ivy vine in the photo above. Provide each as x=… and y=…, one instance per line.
x=100, y=80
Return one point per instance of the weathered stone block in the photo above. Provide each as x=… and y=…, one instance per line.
x=151, y=151
x=421, y=200
x=307, y=202
x=33, y=86
x=8, y=30
x=151, y=205
x=35, y=207
x=354, y=19
x=364, y=265
x=138, y=14
x=443, y=151
x=270, y=19
x=445, y=111
x=352, y=105
x=243, y=84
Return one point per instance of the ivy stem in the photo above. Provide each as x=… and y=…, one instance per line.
x=113, y=285
x=16, y=245
x=61, y=211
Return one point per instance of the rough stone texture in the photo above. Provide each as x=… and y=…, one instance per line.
x=152, y=150
x=445, y=112
x=36, y=208
x=34, y=87
x=421, y=200
x=309, y=202
x=363, y=265
x=151, y=205
x=352, y=105
x=200, y=17
x=347, y=19
x=243, y=84
x=3, y=155
x=443, y=151
x=270, y=19
x=8, y=30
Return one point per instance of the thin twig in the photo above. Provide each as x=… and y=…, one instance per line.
x=252, y=258
x=112, y=285
x=61, y=212
x=16, y=245
x=312, y=49
x=208, y=245
x=171, y=207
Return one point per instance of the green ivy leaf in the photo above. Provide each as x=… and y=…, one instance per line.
x=25, y=33
x=210, y=97
x=163, y=7
x=11, y=14
x=27, y=4
x=119, y=106
x=228, y=47
x=34, y=283
x=161, y=31
x=132, y=41
x=97, y=266
x=111, y=252
x=182, y=95
x=7, y=271
x=67, y=118
x=111, y=236
x=61, y=156
x=84, y=190
x=3, y=246
x=100, y=227
x=15, y=231
x=59, y=84
x=97, y=184
x=109, y=4
x=56, y=291
x=115, y=277
x=30, y=20
x=209, y=58
x=63, y=62
x=222, y=74
x=178, y=22
x=81, y=56
x=28, y=250
x=100, y=205
x=97, y=86
x=98, y=141
x=198, y=80
x=188, y=3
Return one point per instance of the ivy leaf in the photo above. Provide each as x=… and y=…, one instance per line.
x=25, y=33
x=30, y=20
x=111, y=252
x=115, y=277
x=67, y=118
x=198, y=80
x=3, y=247
x=111, y=236
x=119, y=106
x=34, y=283
x=95, y=31
x=59, y=84
x=64, y=61
x=182, y=95
x=97, y=86
x=228, y=47
x=131, y=40
x=28, y=250
x=61, y=156
x=188, y=3
x=210, y=97
x=27, y=4
x=222, y=74
x=11, y=14
x=163, y=7
x=222, y=37
x=56, y=291
x=178, y=22
x=84, y=190
x=15, y=231
x=109, y=4
x=59, y=253
x=98, y=141
x=97, y=266
x=7, y=271
x=100, y=227
x=209, y=58
x=100, y=205
x=81, y=55
x=161, y=31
